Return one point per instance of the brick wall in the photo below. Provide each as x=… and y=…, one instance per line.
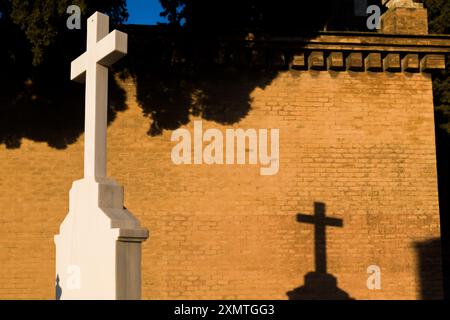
x=361, y=143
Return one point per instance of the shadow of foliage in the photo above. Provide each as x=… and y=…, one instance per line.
x=443, y=160
x=176, y=78
x=50, y=111
x=204, y=68
x=40, y=102
x=208, y=67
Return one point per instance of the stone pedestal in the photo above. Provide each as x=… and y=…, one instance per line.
x=98, y=249
x=319, y=286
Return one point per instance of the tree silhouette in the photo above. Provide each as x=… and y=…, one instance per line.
x=287, y=17
x=38, y=101
x=439, y=22
x=174, y=65
x=44, y=21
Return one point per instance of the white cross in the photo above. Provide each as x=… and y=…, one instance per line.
x=103, y=50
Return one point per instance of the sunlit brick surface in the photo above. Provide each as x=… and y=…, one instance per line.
x=362, y=143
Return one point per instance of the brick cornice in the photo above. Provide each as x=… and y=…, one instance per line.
x=359, y=41
x=325, y=50
x=360, y=51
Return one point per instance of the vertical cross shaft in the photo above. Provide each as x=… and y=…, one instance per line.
x=103, y=49
x=98, y=249
x=96, y=102
x=320, y=222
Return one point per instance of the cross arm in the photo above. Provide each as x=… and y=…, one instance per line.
x=111, y=48
x=305, y=218
x=78, y=68
x=334, y=222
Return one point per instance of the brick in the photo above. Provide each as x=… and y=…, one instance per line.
x=279, y=59
x=411, y=63
x=392, y=63
x=432, y=62
x=316, y=60
x=373, y=62
x=298, y=61
x=335, y=61
x=355, y=61
x=404, y=17
x=225, y=231
x=258, y=58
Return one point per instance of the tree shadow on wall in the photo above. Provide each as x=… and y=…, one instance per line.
x=55, y=117
x=209, y=68
x=429, y=269
x=319, y=284
x=443, y=160
x=40, y=103
x=191, y=78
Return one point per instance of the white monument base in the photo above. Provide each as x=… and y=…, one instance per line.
x=98, y=248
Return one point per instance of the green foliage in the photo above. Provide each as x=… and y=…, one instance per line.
x=283, y=16
x=439, y=22
x=39, y=19
x=43, y=21
x=173, y=10
x=35, y=55
x=438, y=16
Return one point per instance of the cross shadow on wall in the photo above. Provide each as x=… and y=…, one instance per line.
x=319, y=284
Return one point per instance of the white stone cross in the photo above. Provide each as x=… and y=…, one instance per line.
x=98, y=248
x=103, y=49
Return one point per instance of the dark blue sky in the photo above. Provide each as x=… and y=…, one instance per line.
x=144, y=11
